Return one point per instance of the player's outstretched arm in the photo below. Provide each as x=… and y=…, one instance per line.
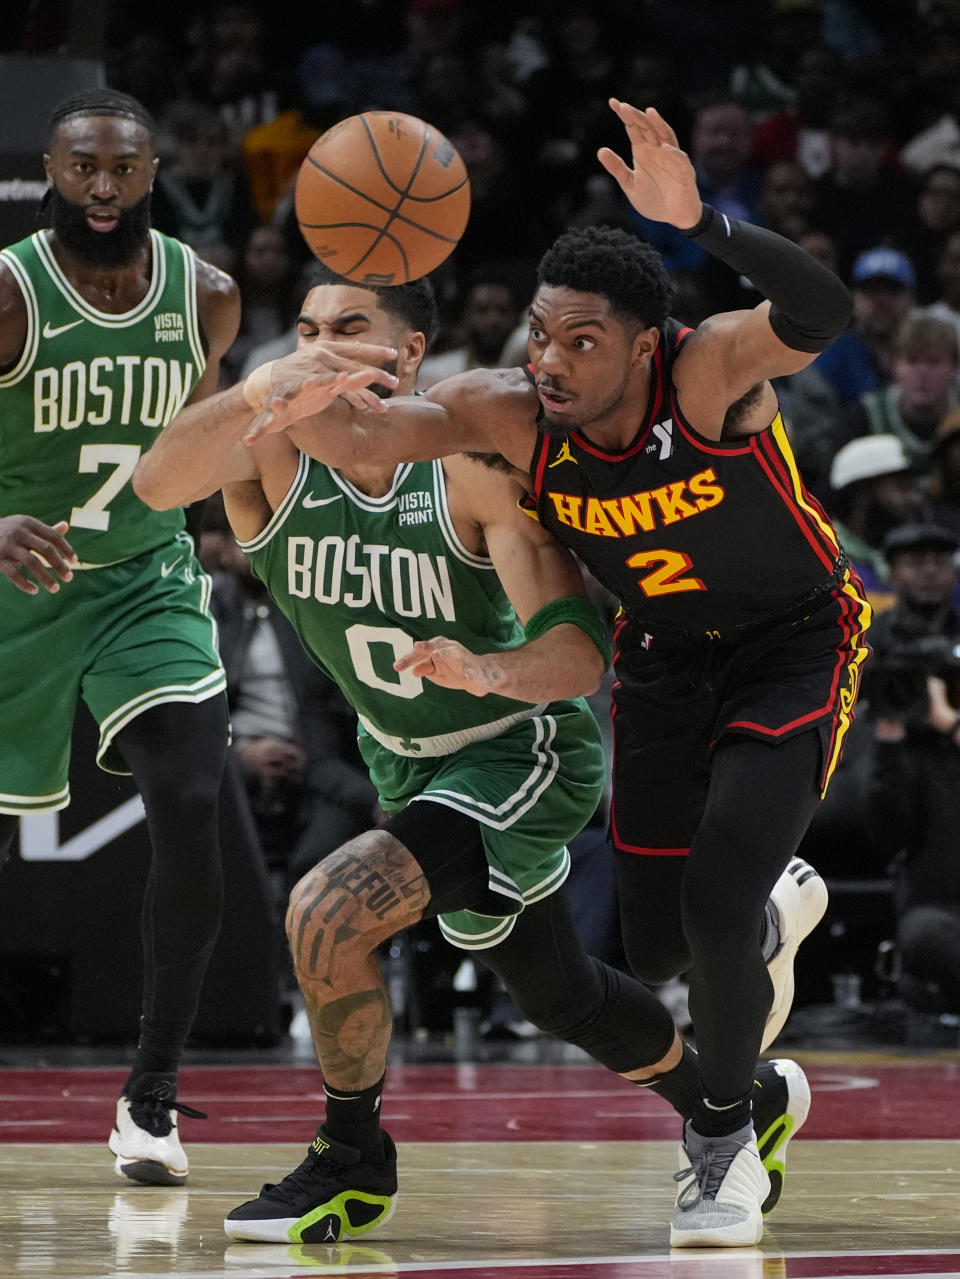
x=566, y=652
x=198, y=452
x=808, y=305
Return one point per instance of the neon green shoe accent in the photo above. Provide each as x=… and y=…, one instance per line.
x=339, y=1226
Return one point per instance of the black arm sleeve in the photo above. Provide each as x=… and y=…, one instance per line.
x=809, y=304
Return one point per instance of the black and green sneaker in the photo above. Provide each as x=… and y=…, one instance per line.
x=336, y=1193
x=780, y=1104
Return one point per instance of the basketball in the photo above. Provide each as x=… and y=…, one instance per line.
x=382, y=198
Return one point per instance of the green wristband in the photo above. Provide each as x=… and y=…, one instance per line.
x=575, y=611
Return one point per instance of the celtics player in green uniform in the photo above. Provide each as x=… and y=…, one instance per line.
x=106, y=329
x=399, y=580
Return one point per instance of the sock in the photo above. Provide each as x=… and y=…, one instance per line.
x=354, y=1117
x=155, y=1055
x=770, y=932
x=713, y=1117
x=681, y=1086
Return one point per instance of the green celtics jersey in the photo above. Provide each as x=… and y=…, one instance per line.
x=90, y=394
x=360, y=578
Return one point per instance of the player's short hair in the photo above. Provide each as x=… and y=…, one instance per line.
x=101, y=102
x=620, y=267
x=415, y=303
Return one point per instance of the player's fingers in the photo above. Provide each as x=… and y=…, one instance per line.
x=66, y=550
x=615, y=166
x=662, y=129
x=43, y=554
x=12, y=571
x=37, y=569
x=364, y=399
x=363, y=352
x=633, y=119
x=262, y=424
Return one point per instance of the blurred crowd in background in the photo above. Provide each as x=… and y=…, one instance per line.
x=833, y=122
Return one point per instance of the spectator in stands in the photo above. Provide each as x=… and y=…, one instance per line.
x=865, y=197
x=232, y=65
x=273, y=151
x=785, y=202
x=944, y=479
x=202, y=195
x=947, y=302
x=491, y=310
x=859, y=360
x=799, y=130
x=938, y=70
x=912, y=685
x=266, y=277
x=926, y=363
x=873, y=491
x=935, y=220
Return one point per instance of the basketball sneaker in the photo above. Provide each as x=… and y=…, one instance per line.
x=145, y=1139
x=781, y=1103
x=799, y=898
x=722, y=1185
x=336, y=1193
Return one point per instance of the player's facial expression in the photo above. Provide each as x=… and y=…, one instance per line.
x=581, y=356
x=347, y=313
x=101, y=169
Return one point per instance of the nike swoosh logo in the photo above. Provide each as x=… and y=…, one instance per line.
x=310, y=500
x=50, y=332
x=167, y=569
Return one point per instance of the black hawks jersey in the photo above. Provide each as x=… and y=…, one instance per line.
x=691, y=535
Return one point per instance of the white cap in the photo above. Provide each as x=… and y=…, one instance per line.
x=866, y=458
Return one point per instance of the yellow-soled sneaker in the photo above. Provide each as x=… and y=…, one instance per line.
x=336, y=1193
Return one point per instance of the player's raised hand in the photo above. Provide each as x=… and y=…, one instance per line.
x=28, y=546
x=662, y=184
x=447, y=663
x=310, y=378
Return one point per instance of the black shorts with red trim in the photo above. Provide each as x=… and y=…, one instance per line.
x=675, y=698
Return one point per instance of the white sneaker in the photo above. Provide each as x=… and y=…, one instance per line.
x=722, y=1187
x=145, y=1139
x=800, y=898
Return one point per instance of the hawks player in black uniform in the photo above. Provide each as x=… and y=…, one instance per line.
x=659, y=456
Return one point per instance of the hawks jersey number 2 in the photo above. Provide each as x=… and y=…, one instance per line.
x=664, y=577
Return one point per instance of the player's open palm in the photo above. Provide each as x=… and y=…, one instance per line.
x=661, y=184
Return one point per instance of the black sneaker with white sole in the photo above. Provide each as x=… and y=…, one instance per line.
x=336, y=1193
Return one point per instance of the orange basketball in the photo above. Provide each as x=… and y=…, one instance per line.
x=382, y=198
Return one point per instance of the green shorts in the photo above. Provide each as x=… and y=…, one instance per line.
x=531, y=790
x=124, y=638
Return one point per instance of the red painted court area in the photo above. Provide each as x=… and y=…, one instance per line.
x=893, y=1101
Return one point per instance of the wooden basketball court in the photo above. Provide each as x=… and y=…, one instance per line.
x=539, y=1171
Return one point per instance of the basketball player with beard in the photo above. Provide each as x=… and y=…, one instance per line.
x=107, y=329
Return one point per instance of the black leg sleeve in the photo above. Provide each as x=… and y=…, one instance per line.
x=176, y=753
x=568, y=993
x=8, y=828
x=760, y=803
